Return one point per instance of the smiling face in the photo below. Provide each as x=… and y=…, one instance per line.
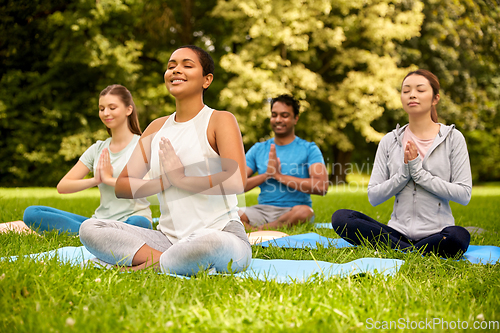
x=184, y=75
x=283, y=120
x=113, y=112
x=417, y=96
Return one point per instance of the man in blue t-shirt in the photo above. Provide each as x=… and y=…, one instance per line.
x=289, y=169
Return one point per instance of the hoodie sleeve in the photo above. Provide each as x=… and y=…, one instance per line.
x=460, y=187
x=382, y=185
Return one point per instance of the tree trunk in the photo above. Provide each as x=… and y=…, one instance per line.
x=340, y=166
x=187, y=26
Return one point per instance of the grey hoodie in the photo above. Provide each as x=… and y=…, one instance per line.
x=423, y=188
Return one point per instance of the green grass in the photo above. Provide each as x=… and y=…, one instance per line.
x=50, y=297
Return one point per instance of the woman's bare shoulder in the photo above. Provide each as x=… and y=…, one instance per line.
x=155, y=125
x=223, y=116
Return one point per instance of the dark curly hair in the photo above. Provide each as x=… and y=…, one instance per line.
x=288, y=100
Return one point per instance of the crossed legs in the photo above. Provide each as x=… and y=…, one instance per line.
x=355, y=227
x=137, y=248
x=262, y=219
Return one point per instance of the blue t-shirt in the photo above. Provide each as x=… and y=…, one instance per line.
x=295, y=160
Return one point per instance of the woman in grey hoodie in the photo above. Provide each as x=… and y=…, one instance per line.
x=424, y=164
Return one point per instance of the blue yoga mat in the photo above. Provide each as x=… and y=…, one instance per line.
x=306, y=241
x=323, y=225
x=476, y=254
x=287, y=271
x=483, y=254
x=283, y=271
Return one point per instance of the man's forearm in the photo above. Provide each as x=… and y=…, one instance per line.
x=305, y=185
x=255, y=181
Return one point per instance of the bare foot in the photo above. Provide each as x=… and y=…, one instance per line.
x=16, y=226
x=140, y=267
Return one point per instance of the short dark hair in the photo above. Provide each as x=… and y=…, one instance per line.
x=206, y=61
x=288, y=100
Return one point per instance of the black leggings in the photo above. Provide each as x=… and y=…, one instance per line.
x=355, y=227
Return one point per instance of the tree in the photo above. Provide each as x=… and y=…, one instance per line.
x=460, y=43
x=344, y=59
x=338, y=57
x=56, y=56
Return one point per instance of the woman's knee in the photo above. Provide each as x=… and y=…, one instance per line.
x=87, y=230
x=31, y=214
x=457, y=234
x=206, y=249
x=340, y=218
x=183, y=260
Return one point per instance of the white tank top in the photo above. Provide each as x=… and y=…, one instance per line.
x=183, y=212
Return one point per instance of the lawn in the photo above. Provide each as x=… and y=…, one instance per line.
x=427, y=294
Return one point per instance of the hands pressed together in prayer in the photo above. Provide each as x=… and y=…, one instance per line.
x=223, y=182
x=411, y=151
x=104, y=171
x=273, y=165
x=172, y=165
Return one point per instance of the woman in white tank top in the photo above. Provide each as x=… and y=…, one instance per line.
x=196, y=164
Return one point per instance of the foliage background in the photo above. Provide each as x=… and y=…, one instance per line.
x=344, y=59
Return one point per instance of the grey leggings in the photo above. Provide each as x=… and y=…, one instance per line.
x=117, y=243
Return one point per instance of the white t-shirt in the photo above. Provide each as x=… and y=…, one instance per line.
x=111, y=207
